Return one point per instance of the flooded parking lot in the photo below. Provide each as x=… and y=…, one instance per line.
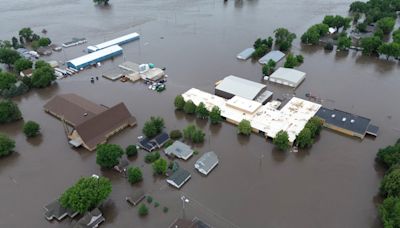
x=333, y=184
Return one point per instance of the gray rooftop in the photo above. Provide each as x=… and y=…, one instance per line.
x=245, y=54
x=206, y=162
x=91, y=219
x=54, y=210
x=179, y=149
x=272, y=55
x=179, y=178
x=240, y=87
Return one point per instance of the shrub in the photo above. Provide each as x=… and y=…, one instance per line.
x=179, y=102
x=281, y=140
x=192, y=133
x=6, y=145
x=165, y=209
x=168, y=143
x=160, y=166
x=9, y=111
x=143, y=210
x=244, y=127
x=152, y=157
x=149, y=199
x=156, y=204
x=215, y=115
x=108, y=155
x=190, y=107
x=31, y=129
x=153, y=127
x=131, y=151
x=134, y=175
x=175, y=134
x=328, y=46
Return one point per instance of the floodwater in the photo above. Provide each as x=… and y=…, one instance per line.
x=333, y=184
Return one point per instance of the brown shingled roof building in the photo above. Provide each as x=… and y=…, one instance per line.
x=93, y=124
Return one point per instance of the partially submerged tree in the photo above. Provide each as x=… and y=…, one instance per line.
x=31, y=129
x=201, y=111
x=43, y=77
x=7, y=145
x=389, y=212
x=134, y=175
x=304, y=139
x=22, y=64
x=108, y=155
x=160, y=166
x=153, y=127
x=189, y=107
x=44, y=42
x=26, y=34
x=244, y=127
x=390, y=50
x=101, y=2
x=389, y=155
x=390, y=185
x=6, y=80
x=386, y=24
x=343, y=42
x=284, y=39
x=9, y=111
x=131, y=151
x=8, y=56
x=87, y=194
x=269, y=68
x=215, y=115
x=281, y=140
x=143, y=210
x=370, y=45
x=179, y=102
x=193, y=134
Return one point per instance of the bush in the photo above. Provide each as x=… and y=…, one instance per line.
x=175, y=134
x=153, y=127
x=31, y=129
x=291, y=61
x=152, y=157
x=134, y=175
x=143, y=210
x=192, y=133
x=168, y=143
x=43, y=77
x=244, y=127
x=149, y=199
x=215, y=115
x=6, y=145
x=179, y=102
x=328, y=46
x=108, y=155
x=160, y=166
x=165, y=209
x=389, y=212
x=131, y=151
x=156, y=204
x=190, y=107
x=281, y=140
x=304, y=139
x=201, y=111
x=9, y=112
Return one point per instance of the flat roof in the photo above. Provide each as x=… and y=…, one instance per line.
x=117, y=40
x=246, y=105
x=95, y=55
x=246, y=53
x=240, y=87
x=272, y=55
x=344, y=120
x=288, y=74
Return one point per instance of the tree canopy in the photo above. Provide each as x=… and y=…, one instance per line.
x=153, y=127
x=390, y=185
x=101, y=2
x=314, y=125
x=9, y=111
x=269, y=68
x=389, y=212
x=108, y=155
x=189, y=107
x=201, y=111
x=390, y=50
x=160, y=166
x=6, y=145
x=42, y=77
x=396, y=36
x=343, y=42
x=31, y=129
x=8, y=56
x=86, y=194
x=284, y=39
x=6, y=80
x=281, y=140
x=131, y=151
x=215, y=115
x=389, y=155
x=370, y=45
x=44, y=41
x=26, y=33
x=22, y=64
x=193, y=134
x=386, y=24
x=304, y=139
x=314, y=33
x=134, y=175
x=293, y=61
x=337, y=21
x=179, y=102
x=244, y=127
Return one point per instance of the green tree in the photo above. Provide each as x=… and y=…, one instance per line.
x=7, y=145
x=143, y=210
x=358, y=7
x=31, y=129
x=131, y=151
x=260, y=42
x=215, y=115
x=160, y=166
x=337, y=21
x=390, y=50
x=244, y=127
x=379, y=33
x=269, y=68
x=362, y=27
x=22, y=64
x=179, y=102
x=390, y=185
x=42, y=77
x=5, y=44
x=260, y=51
x=9, y=112
x=35, y=45
x=41, y=64
x=175, y=134
x=201, y=111
x=281, y=140
x=108, y=155
x=190, y=107
x=304, y=139
x=291, y=61
x=370, y=45
x=284, y=39
x=152, y=157
x=314, y=125
x=389, y=212
x=8, y=56
x=44, y=42
x=311, y=36
x=153, y=127
x=343, y=43
x=14, y=42
x=386, y=24
x=396, y=36
x=6, y=80
x=389, y=155
x=86, y=194
x=26, y=33
x=134, y=175
x=300, y=59
x=193, y=134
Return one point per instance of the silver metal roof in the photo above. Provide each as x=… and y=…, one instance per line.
x=240, y=87
x=274, y=55
x=206, y=162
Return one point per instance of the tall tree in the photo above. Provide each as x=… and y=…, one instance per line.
x=6, y=145
x=215, y=115
x=179, y=102
x=244, y=127
x=26, y=33
x=22, y=64
x=343, y=43
x=370, y=45
x=43, y=77
x=8, y=56
x=281, y=140
x=9, y=112
x=6, y=80
x=201, y=111
x=390, y=50
x=386, y=24
x=284, y=39
x=108, y=155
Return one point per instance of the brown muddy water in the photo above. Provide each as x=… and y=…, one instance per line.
x=334, y=184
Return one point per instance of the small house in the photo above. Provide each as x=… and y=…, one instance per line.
x=287, y=76
x=155, y=143
x=26, y=73
x=207, y=162
x=276, y=56
x=54, y=210
x=179, y=178
x=179, y=150
x=136, y=197
x=91, y=219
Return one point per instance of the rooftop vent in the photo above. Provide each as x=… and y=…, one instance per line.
x=333, y=115
x=351, y=121
x=85, y=114
x=344, y=119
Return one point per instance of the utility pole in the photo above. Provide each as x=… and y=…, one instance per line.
x=184, y=201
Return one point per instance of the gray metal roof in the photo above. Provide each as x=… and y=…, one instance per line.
x=206, y=162
x=245, y=54
x=240, y=87
x=179, y=177
x=179, y=149
x=288, y=74
x=91, y=219
x=272, y=55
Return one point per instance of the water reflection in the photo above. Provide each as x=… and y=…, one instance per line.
x=35, y=141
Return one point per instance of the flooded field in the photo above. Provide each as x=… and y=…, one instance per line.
x=333, y=184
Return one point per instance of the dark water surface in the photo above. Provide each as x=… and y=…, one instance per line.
x=334, y=184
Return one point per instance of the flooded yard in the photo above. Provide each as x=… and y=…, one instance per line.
x=333, y=184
